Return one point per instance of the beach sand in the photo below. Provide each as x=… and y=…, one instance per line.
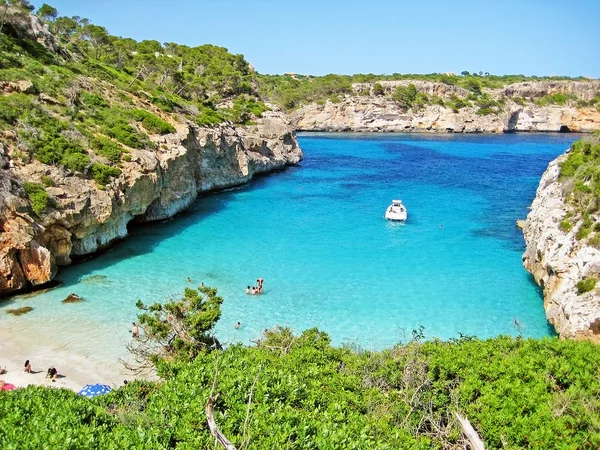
x=75, y=370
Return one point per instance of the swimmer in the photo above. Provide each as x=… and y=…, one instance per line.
x=189, y=280
x=237, y=325
x=248, y=290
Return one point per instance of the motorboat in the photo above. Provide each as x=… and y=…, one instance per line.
x=396, y=211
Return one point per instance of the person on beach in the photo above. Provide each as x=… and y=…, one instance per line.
x=27, y=368
x=135, y=331
x=52, y=373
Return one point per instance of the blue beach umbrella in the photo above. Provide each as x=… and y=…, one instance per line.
x=91, y=390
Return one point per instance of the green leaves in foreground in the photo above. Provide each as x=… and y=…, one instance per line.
x=301, y=393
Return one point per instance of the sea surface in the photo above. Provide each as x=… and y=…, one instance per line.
x=316, y=234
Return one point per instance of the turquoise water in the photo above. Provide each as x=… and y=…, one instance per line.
x=316, y=233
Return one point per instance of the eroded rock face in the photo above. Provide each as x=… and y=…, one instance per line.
x=557, y=261
x=367, y=112
x=154, y=185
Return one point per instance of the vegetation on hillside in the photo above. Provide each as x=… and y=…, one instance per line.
x=580, y=177
x=302, y=393
x=292, y=91
x=86, y=106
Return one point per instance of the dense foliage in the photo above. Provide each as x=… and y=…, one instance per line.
x=301, y=393
x=85, y=106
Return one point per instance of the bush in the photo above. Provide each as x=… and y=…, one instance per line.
x=152, y=123
x=209, y=117
x=566, y=225
x=93, y=101
x=378, y=89
x=405, y=96
x=13, y=107
x=107, y=148
x=125, y=134
x=47, y=181
x=586, y=285
x=103, y=173
x=37, y=196
x=76, y=162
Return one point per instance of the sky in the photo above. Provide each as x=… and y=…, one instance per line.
x=317, y=37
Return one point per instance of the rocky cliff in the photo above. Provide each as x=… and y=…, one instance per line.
x=519, y=109
x=153, y=185
x=558, y=261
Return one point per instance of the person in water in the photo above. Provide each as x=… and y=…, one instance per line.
x=248, y=291
x=27, y=368
x=135, y=331
x=237, y=325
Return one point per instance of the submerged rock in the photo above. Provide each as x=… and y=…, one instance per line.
x=73, y=298
x=19, y=311
x=95, y=279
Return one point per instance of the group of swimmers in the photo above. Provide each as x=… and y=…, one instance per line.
x=257, y=288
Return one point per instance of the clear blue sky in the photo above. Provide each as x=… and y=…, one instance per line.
x=531, y=37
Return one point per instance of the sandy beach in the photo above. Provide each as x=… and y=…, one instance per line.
x=75, y=370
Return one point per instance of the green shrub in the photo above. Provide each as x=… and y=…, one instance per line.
x=102, y=173
x=37, y=196
x=378, y=89
x=76, y=162
x=125, y=134
x=107, y=148
x=93, y=101
x=47, y=181
x=566, y=225
x=594, y=241
x=586, y=285
x=405, y=96
x=13, y=107
x=209, y=117
x=152, y=123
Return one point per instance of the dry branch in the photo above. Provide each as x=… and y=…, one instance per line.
x=470, y=433
x=212, y=425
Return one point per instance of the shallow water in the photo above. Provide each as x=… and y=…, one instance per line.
x=316, y=233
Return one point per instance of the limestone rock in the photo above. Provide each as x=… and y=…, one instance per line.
x=557, y=261
x=365, y=111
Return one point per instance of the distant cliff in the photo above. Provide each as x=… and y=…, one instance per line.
x=562, y=254
x=439, y=107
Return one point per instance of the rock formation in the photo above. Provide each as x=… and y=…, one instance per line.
x=153, y=185
x=365, y=111
x=558, y=261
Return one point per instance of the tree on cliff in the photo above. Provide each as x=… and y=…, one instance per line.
x=177, y=329
x=47, y=12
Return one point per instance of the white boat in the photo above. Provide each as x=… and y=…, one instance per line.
x=396, y=211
